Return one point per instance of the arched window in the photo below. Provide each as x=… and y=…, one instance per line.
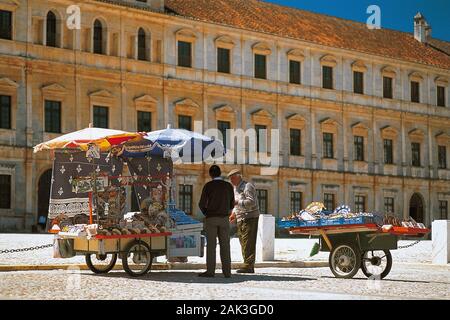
x=98, y=37
x=51, y=29
x=142, y=45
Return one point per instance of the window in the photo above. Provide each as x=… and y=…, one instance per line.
x=389, y=205
x=5, y=24
x=262, y=200
x=295, y=142
x=415, y=154
x=144, y=121
x=5, y=112
x=185, y=54
x=442, y=155
x=185, y=122
x=387, y=88
x=328, y=151
x=296, y=202
x=51, y=29
x=260, y=137
x=142, y=45
x=359, y=148
x=388, y=151
x=260, y=66
x=52, y=116
x=98, y=37
x=328, y=201
x=415, y=91
x=441, y=96
x=223, y=126
x=358, y=82
x=101, y=118
x=185, y=196
x=5, y=191
x=327, y=77
x=443, y=210
x=223, y=60
x=360, y=204
x=294, y=72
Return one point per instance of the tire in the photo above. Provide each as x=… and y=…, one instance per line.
x=143, y=260
x=101, y=269
x=345, y=261
x=368, y=260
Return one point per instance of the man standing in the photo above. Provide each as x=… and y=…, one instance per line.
x=246, y=211
x=216, y=203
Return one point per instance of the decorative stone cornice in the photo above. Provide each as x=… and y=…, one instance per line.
x=296, y=55
x=416, y=76
x=360, y=129
x=186, y=34
x=262, y=48
x=224, y=42
x=186, y=107
x=441, y=81
x=416, y=135
x=389, y=132
x=359, y=66
x=388, y=71
x=296, y=121
x=328, y=60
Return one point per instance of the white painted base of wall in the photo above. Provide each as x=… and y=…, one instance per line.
x=441, y=242
x=265, y=244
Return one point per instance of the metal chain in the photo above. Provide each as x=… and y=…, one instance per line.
x=26, y=249
x=409, y=245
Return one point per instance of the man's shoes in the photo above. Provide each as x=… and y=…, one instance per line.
x=206, y=275
x=227, y=275
x=246, y=270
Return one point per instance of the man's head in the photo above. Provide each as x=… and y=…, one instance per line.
x=215, y=172
x=235, y=177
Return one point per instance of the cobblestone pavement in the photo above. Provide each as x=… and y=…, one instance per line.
x=405, y=282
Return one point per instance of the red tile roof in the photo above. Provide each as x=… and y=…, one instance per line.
x=317, y=28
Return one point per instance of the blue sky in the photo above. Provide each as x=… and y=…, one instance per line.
x=395, y=14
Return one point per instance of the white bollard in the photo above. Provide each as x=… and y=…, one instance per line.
x=265, y=244
x=441, y=241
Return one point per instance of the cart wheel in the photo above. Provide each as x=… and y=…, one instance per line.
x=137, y=260
x=376, y=264
x=345, y=261
x=101, y=264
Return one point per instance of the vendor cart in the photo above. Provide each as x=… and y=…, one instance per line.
x=365, y=246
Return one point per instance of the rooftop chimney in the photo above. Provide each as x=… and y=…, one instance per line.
x=157, y=5
x=422, y=30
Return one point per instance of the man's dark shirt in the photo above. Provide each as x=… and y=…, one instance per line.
x=217, y=199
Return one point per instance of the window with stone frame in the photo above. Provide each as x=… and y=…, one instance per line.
x=185, y=122
x=389, y=205
x=51, y=29
x=295, y=72
x=442, y=157
x=388, y=88
x=261, y=137
x=295, y=142
x=415, y=91
x=443, y=210
x=101, y=117
x=5, y=191
x=260, y=66
x=184, y=54
x=328, y=148
x=296, y=201
x=441, y=96
x=98, y=38
x=142, y=45
x=223, y=127
x=358, y=82
x=6, y=24
x=52, y=116
x=185, y=196
x=415, y=154
x=5, y=112
x=388, y=151
x=327, y=77
x=329, y=201
x=144, y=121
x=263, y=198
x=223, y=60
x=359, y=148
x=360, y=203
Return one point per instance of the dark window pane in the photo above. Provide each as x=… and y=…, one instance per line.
x=101, y=118
x=360, y=204
x=5, y=112
x=443, y=210
x=262, y=200
x=185, y=122
x=98, y=37
x=415, y=91
x=328, y=201
x=185, y=54
x=442, y=155
x=261, y=138
x=5, y=191
x=223, y=126
x=52, y=116
x=296, y=202
x=185, y=198
x=441, y=96
x=389, y=205
x=260, y=66
x=142, y=45
x=358, y=82
x=295, y=142
x=144, y=121
x=359, y=148
x=388, y=151
x=415, y=150
x=327, y=77
x=387, y=88
x=223, y=60
x=328, y=151
x=294, y=72
x=5, y=24
x=51, y=29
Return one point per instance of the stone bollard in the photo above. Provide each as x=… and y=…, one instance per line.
x=266, y=238
x=441, y=241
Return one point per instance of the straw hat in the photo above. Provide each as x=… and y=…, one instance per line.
x=233, y=172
